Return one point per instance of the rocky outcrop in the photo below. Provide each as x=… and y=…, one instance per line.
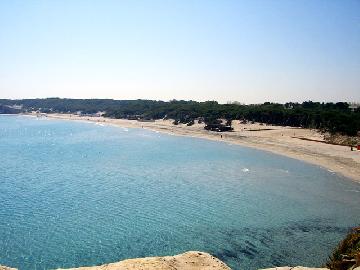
x=347, y=254
x=192, y=260
x=6, y=268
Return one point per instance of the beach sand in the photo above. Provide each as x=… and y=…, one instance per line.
x=287, y=141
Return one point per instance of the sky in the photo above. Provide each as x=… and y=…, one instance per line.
x=247, y=51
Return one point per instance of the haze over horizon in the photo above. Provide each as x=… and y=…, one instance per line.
x=246, y=51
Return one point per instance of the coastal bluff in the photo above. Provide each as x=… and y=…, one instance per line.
x=191, y=260
x=6, y=268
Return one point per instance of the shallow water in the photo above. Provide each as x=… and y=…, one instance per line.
x=75, y=193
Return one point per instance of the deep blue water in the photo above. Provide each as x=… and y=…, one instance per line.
x=74, y=194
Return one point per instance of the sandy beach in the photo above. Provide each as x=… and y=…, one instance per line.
x=288, y=141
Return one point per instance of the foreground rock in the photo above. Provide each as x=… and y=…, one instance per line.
x=192, y=260
x=6, y=268
x=347, y=254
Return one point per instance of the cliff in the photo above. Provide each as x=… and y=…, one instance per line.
x=6, y=268
x=347, y=254
x=192, y=260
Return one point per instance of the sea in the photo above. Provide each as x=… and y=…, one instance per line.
x=81, y=193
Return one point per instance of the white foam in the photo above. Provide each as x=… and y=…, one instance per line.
x=352, y=190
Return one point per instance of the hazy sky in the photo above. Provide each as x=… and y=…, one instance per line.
x=249, y=51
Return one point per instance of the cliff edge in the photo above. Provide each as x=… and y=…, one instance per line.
x=6, y=268
x=192, y=260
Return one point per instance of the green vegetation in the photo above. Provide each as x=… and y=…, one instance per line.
x=8, y=110
x=331, y=117
x=347, y=254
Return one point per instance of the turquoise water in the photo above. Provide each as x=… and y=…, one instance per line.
x=74, y=194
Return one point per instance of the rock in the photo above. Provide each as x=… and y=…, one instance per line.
x=192, y=260
x=6, y=268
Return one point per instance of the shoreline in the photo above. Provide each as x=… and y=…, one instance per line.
x=285, y=141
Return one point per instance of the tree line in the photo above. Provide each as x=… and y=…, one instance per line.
x=330, y=117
